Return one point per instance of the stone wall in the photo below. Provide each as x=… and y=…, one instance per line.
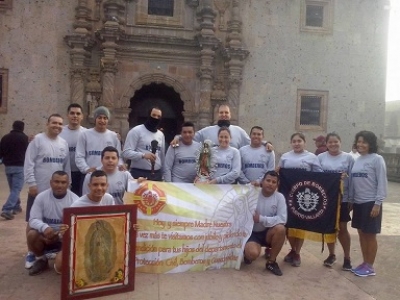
x=33, y=49
x=349, y=63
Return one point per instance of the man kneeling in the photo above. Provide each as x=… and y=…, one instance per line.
x=45, y=221
x=269, y=224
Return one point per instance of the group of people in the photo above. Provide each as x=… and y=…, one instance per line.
x=92, y=162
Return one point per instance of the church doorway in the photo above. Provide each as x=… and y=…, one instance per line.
x=166, y=99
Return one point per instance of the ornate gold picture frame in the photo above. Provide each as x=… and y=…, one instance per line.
x=98, y=251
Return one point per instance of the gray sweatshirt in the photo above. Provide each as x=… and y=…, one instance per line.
x=71, y=137
x=47, y=210
x=305, y=160
x=227, y=168
x=138, y=142
x=255, y=163
x=85, y=201
x=368, y=181
x=43, y=157
x=180, y=163
x=90, y=145
x=272, y=211
x=341, y=163
x=239, y=137
x=117, y=185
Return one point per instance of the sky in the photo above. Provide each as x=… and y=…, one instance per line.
x=393, y=66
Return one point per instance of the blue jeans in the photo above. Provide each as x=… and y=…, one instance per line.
x=15, y=178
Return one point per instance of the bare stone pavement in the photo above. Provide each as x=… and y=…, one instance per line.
x=310, y=281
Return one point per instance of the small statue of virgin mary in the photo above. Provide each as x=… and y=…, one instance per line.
x=205, y=162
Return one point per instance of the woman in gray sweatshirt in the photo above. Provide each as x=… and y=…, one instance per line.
x=368, y=189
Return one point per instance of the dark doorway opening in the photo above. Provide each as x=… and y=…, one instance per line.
x=166, y=99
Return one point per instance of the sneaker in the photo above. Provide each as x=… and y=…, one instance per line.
x=247, y=261
x=330, y=260
x=365, y=271
x=51, y=254
x=39, y=266
x=296, y=262
x=267, y=253
x=17, y=210
x=29, y=260
x=7, y=215
x=273, y=267
x=289, y=257
x=357, y=268
x=347, y=265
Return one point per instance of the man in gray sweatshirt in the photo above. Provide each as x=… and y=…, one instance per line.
x=45, y=223
x=269, y=224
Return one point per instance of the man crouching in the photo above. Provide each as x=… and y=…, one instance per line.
x=45, y=220
x=269, y=224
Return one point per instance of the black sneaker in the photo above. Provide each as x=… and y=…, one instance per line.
x=273, y=268
x=347, y=265
x=17, y=210
x=330, y=260
x=246, y=260
x=39, y=266
x=7, y=215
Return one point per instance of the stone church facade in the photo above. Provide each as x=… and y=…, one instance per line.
x=286, y=65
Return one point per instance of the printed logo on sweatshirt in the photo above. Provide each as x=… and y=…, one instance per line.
x=186, y=161
x=360, y=174
x=223, y=166
x=254, y=166
x=94, y=152
x=53, y=160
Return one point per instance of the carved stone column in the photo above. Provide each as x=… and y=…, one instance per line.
x=109, y=35
x=81, y=44
x=208, y=43
x=235, y=55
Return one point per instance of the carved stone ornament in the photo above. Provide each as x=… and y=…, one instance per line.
x=222, y=6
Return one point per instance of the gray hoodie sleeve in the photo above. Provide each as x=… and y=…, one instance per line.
x=281, y=214
x=168, y=164
x=36, y=215
x=29, y=164
x=381, y=176
x=80, y=154
x=130, y=145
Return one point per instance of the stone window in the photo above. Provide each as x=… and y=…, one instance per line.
x=311, y=110
x=165, y=13
x=3, y=89
x=317, y=16
x=161, y=8
x=5, y=4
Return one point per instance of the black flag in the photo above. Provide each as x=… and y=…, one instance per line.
x=313, y=200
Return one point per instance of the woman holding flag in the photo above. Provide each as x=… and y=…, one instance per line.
x=301, y=159
x=337, y=161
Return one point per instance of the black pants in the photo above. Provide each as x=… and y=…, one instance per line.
x=76, y=182
x=136, y=173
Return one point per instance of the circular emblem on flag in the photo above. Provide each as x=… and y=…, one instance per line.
x=149, y=198
x=307, y=200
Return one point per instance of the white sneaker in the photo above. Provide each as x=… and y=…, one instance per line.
x=30, y=259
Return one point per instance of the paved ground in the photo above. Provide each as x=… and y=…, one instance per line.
x=310, y=281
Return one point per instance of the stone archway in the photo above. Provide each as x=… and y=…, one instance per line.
x=164, y=97
x=160, y=78
x=187, y=111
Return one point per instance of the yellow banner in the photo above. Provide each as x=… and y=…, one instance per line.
x=186, y=227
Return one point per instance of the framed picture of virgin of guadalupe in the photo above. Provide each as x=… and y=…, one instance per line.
x=99, y=249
